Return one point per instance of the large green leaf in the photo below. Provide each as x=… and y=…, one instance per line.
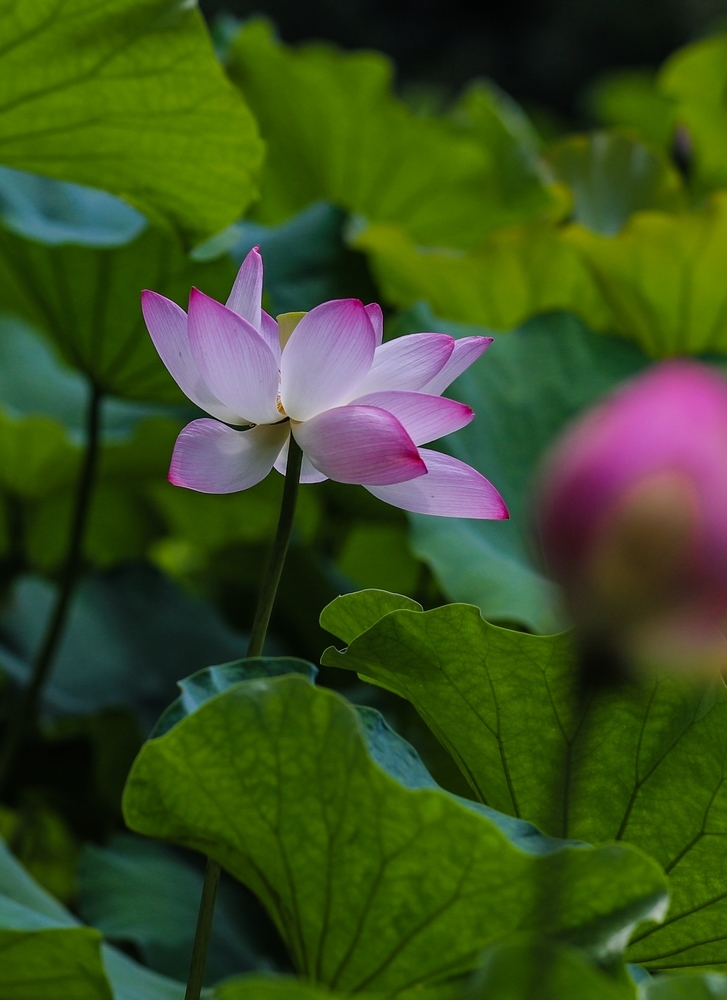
x=662, y=278
x=131, y=635
x=136, y=890
x=359, y=147
x=525, y=969
x=55, y=212
x=523, y=390
x=307, y=260
x=25, y=906
x=62, y=963
x=372, y=885
x=127, y=96
x=280, y=988
x=643, y=764
x=696, y=987
x=511, y=275
x=632, y=99
x=612, y=175
x=86, y=300
x=695, y=78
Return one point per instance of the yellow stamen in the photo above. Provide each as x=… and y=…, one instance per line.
x=287, y=322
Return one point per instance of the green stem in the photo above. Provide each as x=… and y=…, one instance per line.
x=280, y=548
x=24, y=718
x=266, y=599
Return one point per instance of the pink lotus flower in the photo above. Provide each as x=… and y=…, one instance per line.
x=633, y=515
x=359, y=409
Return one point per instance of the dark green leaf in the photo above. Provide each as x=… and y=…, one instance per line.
x=205, y=684
x=25, y=906
x=278, y=988
x=523, y=391
x=135, y=890
x=61, y=963
x=643, y=764
x=695, y=987
x=131, y=635
x=87, y=301
x=372, y=885
x=306, y=259
x=127, y=96
x=525, y=969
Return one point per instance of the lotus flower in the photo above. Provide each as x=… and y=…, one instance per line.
x=359, y=409
x=633, y=516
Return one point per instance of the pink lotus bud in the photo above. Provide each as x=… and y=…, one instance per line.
x=633, y=517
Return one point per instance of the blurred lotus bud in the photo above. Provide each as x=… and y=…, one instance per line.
x=632, y=514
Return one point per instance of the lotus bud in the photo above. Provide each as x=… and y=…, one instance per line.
x=632, y=514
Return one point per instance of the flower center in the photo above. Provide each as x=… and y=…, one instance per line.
x=279, y=406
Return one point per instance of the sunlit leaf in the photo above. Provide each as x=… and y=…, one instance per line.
x=662, y=278
x=372, y=885
x=643, y=764
x=632, y=99
x=508, y=277
x=359, y=147
x=695, y=78
x=613, y=175
x=127, y=96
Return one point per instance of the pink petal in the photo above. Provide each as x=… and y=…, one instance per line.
x=449, y=489
x=235, y=361
x=375, y=315
x=425, y=418
x=407, y=363
x=359, y=444
x=247, y=291
x=167, y=326
x=308, y=472
x=212, y=458
x=328, y=354
x=465, y=352
x=269, y=333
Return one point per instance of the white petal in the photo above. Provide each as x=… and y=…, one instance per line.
x=212, y=458
x=308, y=471
x=407, y=363
x=236, y=362
x=374, y=313
x=328, y=354
x=424, y=417
x=247, y=291
x=449, y=489
x=465, y=352
x=167, y=326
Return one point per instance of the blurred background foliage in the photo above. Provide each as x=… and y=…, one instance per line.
x=554, y=174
